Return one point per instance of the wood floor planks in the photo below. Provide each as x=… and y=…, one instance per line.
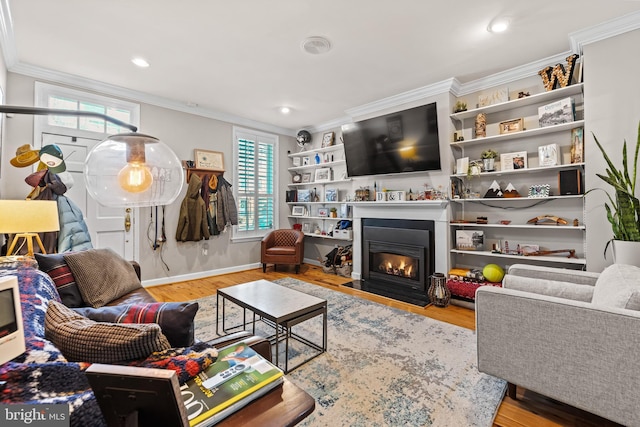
x=530, y=410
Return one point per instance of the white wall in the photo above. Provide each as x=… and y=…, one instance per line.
x=612, y=112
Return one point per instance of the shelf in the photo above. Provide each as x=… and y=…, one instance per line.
x=318, y=217
x=519, y=135
x=550, y=259
x=316, y=203
x=324, y=236
x=424, y=203
x=514, y=199
x=538, y=98
x=317, y=150
x=317, y=165
x=306, y=184
x=540, y=169
x=519, y=226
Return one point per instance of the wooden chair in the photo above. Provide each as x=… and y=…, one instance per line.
x=284, y=246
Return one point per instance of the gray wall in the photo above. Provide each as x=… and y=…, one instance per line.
x=612, y=112
x=182, y=132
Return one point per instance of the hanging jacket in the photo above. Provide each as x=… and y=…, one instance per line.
x=46, y=186
x=227, y=211
x=192, y=223
x=74, y=234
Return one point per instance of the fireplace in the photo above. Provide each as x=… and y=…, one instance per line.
x=398, y=258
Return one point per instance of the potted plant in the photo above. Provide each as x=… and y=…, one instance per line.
x=623, y=210
x=488, y=159
x=334, y=212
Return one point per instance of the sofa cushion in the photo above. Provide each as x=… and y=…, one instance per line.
x=175, y=318
x=102, y=275
x=82, y=339
x=616, y=285
x=58, y=269
x=552, y=288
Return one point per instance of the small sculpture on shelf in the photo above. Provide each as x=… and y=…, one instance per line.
x=481, y=125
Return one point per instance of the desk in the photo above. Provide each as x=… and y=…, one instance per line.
x=279, y=305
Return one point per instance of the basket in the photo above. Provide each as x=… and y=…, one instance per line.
x=344, y=270
x=329, y=270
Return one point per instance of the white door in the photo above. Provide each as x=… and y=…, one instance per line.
x=106, y=225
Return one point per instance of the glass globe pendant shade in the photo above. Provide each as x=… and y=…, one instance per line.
x=133, y=170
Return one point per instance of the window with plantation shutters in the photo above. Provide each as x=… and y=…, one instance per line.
x=255, y=189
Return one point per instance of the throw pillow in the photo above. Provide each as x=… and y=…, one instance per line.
x=616, y=285
x=102, y=275
x=58, y=269
x=175, y=318
x=84, y=340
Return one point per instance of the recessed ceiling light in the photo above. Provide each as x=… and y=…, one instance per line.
x=499, y=25
x=140, y=62
x=284, y=110
x=316, y=45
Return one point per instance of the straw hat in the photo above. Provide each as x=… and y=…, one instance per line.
x=25, y=156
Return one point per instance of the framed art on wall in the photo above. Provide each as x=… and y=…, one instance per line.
x=210, y=160
x=323, y=175
x=327, y=139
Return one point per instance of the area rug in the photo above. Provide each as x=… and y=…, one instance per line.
x=383, y=366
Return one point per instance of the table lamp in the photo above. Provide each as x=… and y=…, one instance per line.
x=27, y=218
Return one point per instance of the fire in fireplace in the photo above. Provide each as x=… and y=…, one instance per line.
x=396, y=265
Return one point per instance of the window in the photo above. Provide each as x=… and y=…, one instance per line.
x=63, y=98
x=255, y=187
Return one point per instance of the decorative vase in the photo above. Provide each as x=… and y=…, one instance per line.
x=439, y=294
x=625, y=252
x=489, y=164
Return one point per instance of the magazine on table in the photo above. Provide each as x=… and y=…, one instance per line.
x=239, y=376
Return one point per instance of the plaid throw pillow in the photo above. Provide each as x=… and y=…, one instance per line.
x=83, y=340
x=175, y=318
x=58, y=269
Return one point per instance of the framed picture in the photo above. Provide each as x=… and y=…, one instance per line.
x=306, y=161
x=297, y=161
x=304, y=195
x=306, y=178
x=323, y=175
x=331, y=195
x=510, y=126
x=462, y=166
x=298, y=211
x=549, y=155
x=323, y=212
x=470, y=240
x=327, y=139
x=537, y=191
x=210, y=160
x=511, y=161
x=577, y=146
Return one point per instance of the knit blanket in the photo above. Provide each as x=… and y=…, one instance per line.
x=43, y=375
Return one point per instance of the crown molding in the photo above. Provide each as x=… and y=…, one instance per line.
x=605, y=30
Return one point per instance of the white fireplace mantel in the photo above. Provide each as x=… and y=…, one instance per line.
x=434, y=210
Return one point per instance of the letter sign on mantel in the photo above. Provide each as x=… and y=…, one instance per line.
x=551, y=77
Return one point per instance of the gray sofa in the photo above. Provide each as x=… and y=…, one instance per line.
x=569, y=335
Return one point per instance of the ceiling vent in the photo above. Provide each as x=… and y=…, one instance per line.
x=316, y=45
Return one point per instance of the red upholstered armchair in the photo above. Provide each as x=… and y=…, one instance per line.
x=285, y=246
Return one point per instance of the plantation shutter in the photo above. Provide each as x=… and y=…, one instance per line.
x=255, y=188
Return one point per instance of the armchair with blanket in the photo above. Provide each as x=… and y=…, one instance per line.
x=569, y=335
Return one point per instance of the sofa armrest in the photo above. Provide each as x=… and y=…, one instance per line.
x=551, y=273
x=261, y=345
x=568, y=350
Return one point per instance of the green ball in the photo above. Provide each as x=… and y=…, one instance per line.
x=493, y=273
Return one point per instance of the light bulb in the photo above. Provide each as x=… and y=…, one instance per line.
x=135, y=177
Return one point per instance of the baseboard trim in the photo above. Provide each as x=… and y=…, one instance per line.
x=199, y=275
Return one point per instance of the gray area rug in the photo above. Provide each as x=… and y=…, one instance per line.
x=383, y=366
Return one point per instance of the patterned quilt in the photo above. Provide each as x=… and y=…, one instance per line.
x=43, y=375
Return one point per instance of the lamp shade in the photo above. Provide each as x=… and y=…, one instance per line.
x=133, y=170
x=28, y=216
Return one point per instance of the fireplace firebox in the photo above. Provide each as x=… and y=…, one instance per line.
x=397, y=258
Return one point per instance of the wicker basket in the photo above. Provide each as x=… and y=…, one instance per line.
x=344, y=270
x=329, y=270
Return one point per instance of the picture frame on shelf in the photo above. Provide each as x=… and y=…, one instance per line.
x=462, y=166
x=548, y=155
x=470, y=240
x=323, y=212
x=297, y=161
x=539, y=191
x=296, y=178
x=327, y=139
x=577, y=145
x=498, y=96
x=306, y=178
x=511, y=126
x=304, y=195
x=558, y=112
x=512, y=161
x=331, y=195
x=208, y=160
x=323, y=175
x=298, y=211
x=306, y=161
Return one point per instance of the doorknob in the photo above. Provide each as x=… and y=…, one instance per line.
x=127, y=220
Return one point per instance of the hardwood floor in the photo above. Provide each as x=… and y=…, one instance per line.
x=530, y=409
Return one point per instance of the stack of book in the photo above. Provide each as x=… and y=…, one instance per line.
x=463, y=282
x=239, y=376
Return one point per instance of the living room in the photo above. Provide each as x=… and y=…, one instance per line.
x=609, y=113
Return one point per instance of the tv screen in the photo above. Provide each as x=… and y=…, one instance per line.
x=405, y=141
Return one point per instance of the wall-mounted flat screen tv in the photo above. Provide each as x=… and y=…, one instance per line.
x=405, y=141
